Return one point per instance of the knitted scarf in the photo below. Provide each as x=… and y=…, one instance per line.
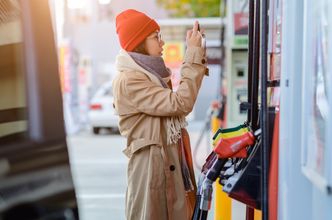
x=156, y=66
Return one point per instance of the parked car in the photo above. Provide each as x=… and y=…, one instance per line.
x=102, y=113
x=35, y=176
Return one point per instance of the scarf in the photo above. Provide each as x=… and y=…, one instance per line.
x=156, y=66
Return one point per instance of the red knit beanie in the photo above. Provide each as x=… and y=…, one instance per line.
x=133, y=27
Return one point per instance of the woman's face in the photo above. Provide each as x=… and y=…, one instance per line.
x=154, y=44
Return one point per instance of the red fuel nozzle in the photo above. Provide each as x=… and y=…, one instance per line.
x=234, y=146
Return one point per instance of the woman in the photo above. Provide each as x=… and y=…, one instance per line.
x=152, y=117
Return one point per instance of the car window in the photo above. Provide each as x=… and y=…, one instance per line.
x=13, y=120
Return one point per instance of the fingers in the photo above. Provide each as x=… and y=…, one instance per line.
x=195, y=28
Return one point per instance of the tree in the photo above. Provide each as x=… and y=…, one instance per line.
x=191, y=8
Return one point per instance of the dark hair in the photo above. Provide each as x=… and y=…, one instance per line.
x=141, y=49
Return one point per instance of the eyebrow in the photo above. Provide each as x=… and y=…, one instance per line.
x=155, y=34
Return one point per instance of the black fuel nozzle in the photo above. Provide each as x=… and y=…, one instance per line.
x=215, y=170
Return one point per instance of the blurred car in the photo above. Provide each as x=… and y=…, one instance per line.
x=102, y=113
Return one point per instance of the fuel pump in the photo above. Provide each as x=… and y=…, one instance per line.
x=237, y=88
x=243, y=174
x=230, y=144
x=237, y=60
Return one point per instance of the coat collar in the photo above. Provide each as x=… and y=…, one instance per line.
x=125, y=63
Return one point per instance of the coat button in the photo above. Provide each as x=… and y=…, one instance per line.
x=203, y=61
x=172, y=167
x=206, y=72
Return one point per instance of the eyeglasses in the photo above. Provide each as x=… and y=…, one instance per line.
x=158, y=37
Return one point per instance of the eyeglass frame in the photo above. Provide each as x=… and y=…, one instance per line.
x=158, y=37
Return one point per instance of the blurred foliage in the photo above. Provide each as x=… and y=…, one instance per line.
x=191, y=8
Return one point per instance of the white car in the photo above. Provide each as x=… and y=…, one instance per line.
x=102, y=113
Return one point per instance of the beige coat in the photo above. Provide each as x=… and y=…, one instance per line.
x=155, y=188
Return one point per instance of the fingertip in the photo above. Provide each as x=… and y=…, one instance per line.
x=195, y=28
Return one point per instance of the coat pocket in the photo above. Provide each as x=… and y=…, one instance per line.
x=157, y=178
x=137, y=145
x=146, y=164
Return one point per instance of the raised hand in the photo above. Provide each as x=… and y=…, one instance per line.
x=194, y=37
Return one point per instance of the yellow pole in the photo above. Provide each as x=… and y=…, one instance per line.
x=223, y=204
x=258, y=215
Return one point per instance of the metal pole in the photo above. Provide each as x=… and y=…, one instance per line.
x=264, y=111
x=250, y=54
x=255, y=67
x=251, y=63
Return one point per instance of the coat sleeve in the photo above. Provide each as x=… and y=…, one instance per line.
x=152, y=99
